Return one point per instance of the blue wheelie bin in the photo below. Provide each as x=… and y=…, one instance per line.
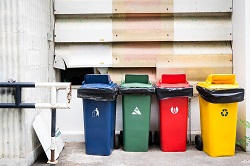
x=99, y=108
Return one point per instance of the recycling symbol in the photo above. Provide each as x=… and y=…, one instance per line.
x=224, y=112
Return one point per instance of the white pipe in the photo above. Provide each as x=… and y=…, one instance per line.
x=53, y=143
x=63, y=85
x=53, y=94
x=56, y=105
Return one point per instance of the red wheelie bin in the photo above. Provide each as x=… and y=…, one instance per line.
x=173, y=91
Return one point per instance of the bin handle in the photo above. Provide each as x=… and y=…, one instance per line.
x=221, y=79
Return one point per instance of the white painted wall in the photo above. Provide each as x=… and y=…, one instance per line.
x=241, y=61
x=247, y=69
x=107, y=7
x=70, y=121
x=192, y=28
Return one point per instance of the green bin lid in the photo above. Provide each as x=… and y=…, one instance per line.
x=136, y=81
x=136, y=84
x=132, y=78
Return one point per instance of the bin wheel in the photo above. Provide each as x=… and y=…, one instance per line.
x=150, y=138
x=117, y=141
x=121, y=138
x=156, y=138
x=198, y=143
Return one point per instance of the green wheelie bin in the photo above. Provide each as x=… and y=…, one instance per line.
x=136, y=93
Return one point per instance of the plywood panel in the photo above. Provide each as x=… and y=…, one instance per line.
x=143, y=29
x=120, y=29
x=141, y=6
x=142, y=54
x=150, y=53
x=197, y=67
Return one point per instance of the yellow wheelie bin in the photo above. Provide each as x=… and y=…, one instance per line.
x=218, y=97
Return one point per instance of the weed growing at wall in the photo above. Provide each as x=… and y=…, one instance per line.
x=243, y=142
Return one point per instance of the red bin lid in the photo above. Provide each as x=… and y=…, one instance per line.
x=173, y=81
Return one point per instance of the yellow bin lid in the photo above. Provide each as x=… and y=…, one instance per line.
x=220, y=81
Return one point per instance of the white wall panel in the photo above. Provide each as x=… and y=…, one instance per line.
x=215, y=55
x=241, y=66
x=143, y=29
x=83, y=30
x=202, y=29
x=72, y=127
x=85, y=55
x=200, y=6
x=83, y=6
x=142, y=6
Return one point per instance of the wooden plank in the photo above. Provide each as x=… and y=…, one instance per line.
x=197, y=67
x=141, y=6
x=196, y=59
x=148, y=54
x=118, y=74
x=144, y=29
x=138, y=54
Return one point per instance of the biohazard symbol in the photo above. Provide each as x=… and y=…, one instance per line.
x=224, y=112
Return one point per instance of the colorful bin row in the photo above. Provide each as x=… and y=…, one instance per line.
x=218, y=96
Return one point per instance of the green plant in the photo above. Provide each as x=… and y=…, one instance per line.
x=245, y=140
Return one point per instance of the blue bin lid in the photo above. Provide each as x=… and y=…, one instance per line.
x=98, y=87
x=97, y=78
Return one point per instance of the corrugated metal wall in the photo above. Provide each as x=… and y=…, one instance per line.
x=10, y=129
x=146, y=36
x=24, y=50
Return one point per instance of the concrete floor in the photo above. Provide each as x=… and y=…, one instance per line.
x=74, y=155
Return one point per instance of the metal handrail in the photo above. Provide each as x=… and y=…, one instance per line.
x=52, y=85
x=53, y=105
